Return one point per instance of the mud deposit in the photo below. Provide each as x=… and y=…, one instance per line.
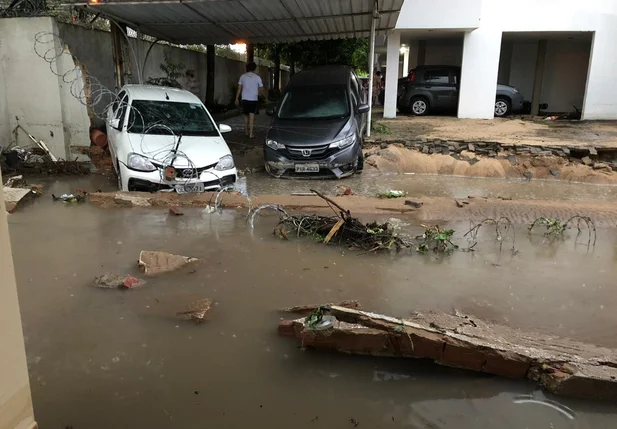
x=102, y=358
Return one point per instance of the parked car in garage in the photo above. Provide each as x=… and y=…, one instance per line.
x=433, y=88
x=164, y=139
x=317, y=128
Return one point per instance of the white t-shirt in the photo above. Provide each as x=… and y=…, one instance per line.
x=251, y=83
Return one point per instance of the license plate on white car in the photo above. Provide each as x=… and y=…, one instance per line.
x=307, y=168
x=190, y=188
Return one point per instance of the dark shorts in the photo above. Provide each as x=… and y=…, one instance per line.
x=249, y=107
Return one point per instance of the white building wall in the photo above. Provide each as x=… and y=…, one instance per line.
x=430, y=14
x=598, y=16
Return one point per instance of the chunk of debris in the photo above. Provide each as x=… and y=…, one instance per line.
x=113, y=281
x=392, y=193
x=554, y=172
x=77, y=197
x=13, y=196
x=414, y=204
x=343, y=191
x=153, y=262
x=175, y=211
x=586, y=160
x=562, y=366
x=601, y=166
x=16, y=182
x=593, y=151
x=196, y=311
x=459, y=204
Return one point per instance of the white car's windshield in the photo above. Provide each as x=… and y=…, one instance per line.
x=157, y=117
x=314, y=102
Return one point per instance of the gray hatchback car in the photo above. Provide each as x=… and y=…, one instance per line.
x=317, y=128
x=432, y=88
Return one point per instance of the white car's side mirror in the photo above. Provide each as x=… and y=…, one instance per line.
x=114, y=123
x=224, y=128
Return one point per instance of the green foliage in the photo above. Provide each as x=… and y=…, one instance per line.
x=310, y=53
x=436, y=240
x=392, y=194
x=379, y=128
x=225, y=51
x=172, y=71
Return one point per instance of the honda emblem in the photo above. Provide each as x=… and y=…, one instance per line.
x=306, y=152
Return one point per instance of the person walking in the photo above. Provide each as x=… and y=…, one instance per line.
x=249, y=86
x=377, y=86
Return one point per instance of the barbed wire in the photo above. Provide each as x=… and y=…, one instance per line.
x=169, y=121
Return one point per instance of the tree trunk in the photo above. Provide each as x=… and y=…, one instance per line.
x=277, y=73
x=250, y=53
x=210, y=56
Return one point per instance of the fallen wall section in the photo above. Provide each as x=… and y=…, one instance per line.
x=561, y=366
x=35, y=97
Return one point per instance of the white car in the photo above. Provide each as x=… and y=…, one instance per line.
x=164, y=139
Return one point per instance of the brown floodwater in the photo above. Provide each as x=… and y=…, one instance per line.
x=101, y=358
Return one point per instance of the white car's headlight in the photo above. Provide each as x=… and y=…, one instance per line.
x=347, y=141
x=225, y=163
x=139, y=163
x=274, y=145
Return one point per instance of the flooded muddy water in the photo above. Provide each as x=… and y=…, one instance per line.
x=101, y=358
x=437, y=186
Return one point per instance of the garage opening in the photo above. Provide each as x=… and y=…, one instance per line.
x=550, y=70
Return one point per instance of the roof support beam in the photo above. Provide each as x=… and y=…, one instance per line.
x=274, y=21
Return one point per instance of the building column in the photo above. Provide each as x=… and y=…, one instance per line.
x=478, y=84
x=405, y=61
x=536, y=94
x=392, y=64
x=600, y=101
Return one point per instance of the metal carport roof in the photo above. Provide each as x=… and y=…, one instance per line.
x=255, y=21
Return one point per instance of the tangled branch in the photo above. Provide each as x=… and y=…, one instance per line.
x=556, y=228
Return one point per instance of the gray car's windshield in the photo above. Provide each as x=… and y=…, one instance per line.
x=314, y=102
x=158, y=117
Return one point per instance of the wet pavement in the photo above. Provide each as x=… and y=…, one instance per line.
x=102, y=358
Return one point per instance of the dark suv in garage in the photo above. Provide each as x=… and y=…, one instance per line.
x=432, y=88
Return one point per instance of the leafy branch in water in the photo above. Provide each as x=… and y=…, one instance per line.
x=556, y=228
x=436, y=240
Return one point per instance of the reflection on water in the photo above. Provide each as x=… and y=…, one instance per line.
x=110, y=358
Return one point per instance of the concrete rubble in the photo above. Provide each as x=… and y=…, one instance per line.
x=152, y=262
x=196, y=311
x=12, y=197
x=113, y=281
x=561, y=366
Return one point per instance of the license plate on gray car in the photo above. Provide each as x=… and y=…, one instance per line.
x=307, y=168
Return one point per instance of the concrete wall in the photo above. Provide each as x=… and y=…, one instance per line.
x=444, y=52
x=15, y=400
x=34, y=96
x=93, y=48
x=565, y=72
x=598, y=16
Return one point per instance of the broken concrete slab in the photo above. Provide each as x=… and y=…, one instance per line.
x=154, y=262
x=561, y=366
x=119, y=281
x=12, y=197
x=196, y=311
